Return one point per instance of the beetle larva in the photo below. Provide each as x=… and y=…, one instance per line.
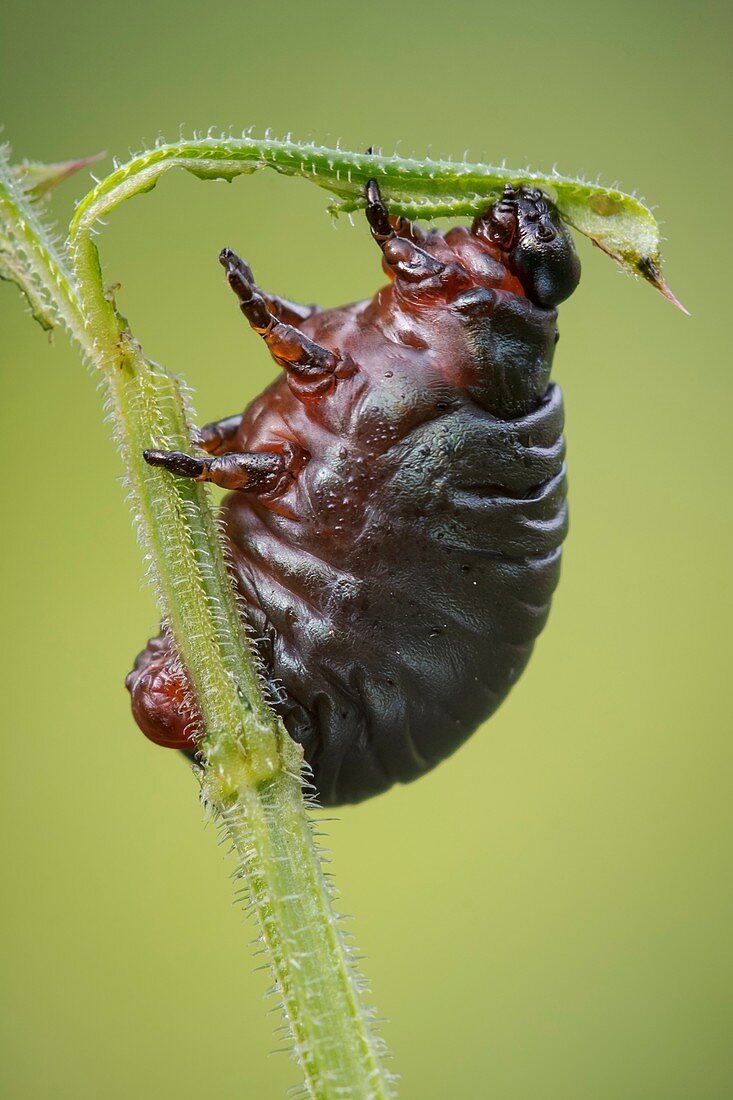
x=397, y=503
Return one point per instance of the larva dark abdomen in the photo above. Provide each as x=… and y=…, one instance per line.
x=399, y=497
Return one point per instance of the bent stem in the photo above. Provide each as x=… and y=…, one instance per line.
x=251, y=770
x=619, y=224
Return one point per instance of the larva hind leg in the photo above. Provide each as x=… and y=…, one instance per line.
x=266, y=473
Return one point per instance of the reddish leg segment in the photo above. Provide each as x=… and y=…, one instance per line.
x=267, y=473
x=313, y=368
x=400, y=252
x=291, y=313
x=218, y=437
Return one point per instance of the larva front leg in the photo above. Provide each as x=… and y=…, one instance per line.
x=401, y=254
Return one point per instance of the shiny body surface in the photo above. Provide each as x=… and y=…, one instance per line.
x=398, y=550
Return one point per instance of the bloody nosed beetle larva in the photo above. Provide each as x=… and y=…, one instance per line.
x=398, y=497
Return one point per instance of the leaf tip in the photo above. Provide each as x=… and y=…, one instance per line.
x=649, y=269
x=39, y=179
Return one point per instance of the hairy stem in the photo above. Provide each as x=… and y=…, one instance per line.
x=251, y=770
x=29, y=258
x=621, y=225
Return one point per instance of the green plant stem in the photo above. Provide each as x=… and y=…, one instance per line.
x=251, y=770
x=620, y=224
x=29, y=258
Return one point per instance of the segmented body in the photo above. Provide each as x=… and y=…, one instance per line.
x=398, y=560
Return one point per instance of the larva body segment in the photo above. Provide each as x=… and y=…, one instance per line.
x=398, y=549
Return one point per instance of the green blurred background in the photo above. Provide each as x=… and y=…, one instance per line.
x=546, y=916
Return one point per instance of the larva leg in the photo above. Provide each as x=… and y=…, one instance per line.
x=400, y=252
x=250, y=471
x=316, y=369
x=217, y=438
x=292, y=313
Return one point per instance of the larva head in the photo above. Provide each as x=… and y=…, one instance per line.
x=537, y=245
